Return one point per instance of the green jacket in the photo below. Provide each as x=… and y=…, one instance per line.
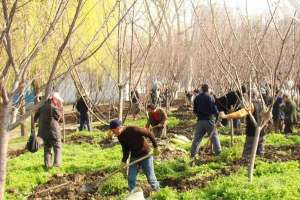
x=290, y=111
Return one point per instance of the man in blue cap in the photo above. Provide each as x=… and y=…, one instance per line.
x=132, y=140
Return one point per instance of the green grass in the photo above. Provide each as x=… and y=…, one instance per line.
x=276, y=181
x=279, y=139
x=172, y=122
x=26, y=171
x=97, y=136
x=271, y=181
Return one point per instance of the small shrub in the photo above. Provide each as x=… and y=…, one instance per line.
x=116, y=185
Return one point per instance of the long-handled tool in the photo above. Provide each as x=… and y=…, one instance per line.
x=99, y=184
x=96, y=184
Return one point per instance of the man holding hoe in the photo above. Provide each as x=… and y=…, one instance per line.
x=132, y=140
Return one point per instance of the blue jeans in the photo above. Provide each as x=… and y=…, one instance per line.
x=148, y=169
x=203, y=127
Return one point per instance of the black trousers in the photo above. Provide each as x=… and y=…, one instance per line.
x=84, y=120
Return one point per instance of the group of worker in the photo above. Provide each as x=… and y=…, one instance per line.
x=133, y=139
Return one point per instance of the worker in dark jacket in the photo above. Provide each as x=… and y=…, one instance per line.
x=157, y=119
x=132, y=140
x=49, y=130
x=256, y=109
x=206, y=111
x=290, y=114
x=84, y=118
x=278, y=114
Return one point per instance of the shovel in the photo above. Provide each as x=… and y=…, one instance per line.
x=99, y=184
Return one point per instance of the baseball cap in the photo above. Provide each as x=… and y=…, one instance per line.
x=115, y=124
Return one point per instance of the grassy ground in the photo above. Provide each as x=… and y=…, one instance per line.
x=273, y=180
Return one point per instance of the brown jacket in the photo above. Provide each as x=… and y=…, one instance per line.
x=133, y=141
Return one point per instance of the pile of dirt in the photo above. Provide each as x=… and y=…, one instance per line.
x=80, y=139
x=185, y=127
x=183, y=184
x=108, y=143
x=16, y=153
x=282, y=153
x=70, y=187
x=183, y=115
x=102, y=127
x=184, y=108
x=170, y=154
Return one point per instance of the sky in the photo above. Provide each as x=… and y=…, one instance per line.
x=254, y=7
x=259, y=7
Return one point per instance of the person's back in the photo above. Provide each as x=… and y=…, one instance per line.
x=81, y=106
x=276, y=108
x=49, y=131
x=204, y=106
x=250, y=126
x=205, y=109
x=157, y=117
x=48, y=122
x=133, y=139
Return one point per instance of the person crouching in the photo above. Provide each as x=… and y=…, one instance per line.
x=157, y=119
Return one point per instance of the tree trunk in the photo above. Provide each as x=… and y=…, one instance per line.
x=22, y=112
x=231, y=132
x=120, y=102
x=32, y=125
x=4, y=137
x=253, y=154
x=120, y=69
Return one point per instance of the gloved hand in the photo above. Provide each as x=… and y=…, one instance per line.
x=156, y=152
x=222, y=115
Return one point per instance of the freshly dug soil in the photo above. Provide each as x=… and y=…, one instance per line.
x=182, y=184
x=16, y=153
x=80, y=139
x=73, y=188
x=108, y=143
x=185, y=127
x=282, y=153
